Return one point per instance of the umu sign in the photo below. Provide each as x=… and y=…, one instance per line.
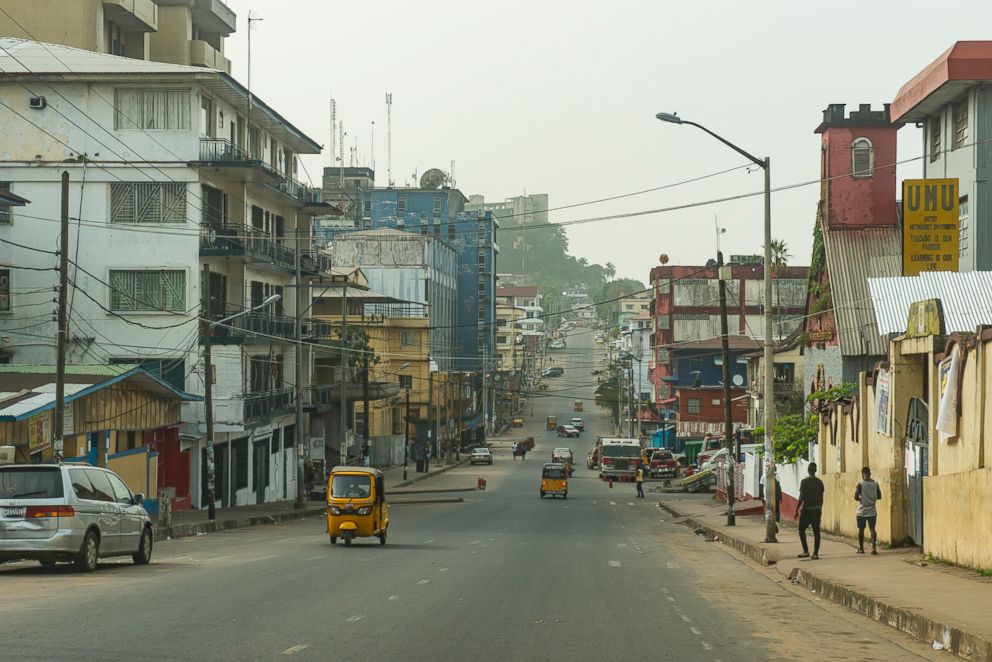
x=929, y=225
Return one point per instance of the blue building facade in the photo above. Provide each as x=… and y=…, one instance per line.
x=701, y=363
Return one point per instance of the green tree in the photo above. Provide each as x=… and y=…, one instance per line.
x=780, y=260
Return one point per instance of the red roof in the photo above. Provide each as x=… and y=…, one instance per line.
x=517, y=291
x=943, y=81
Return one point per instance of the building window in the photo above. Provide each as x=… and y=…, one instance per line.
x=451, y=231
x=147, y=202
x=406, y=381
x=963, y=226
x=501, y=323
x=960, y=115
x=5, y=216
x=861, y=158
x=437, y=205
x=147, y=110
x=407, y=338
x=4, y=290
x=692, y=405
x=401, y=205
x=935, y=125
x=502, y=340
x=148, y=290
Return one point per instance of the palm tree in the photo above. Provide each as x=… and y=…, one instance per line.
x=780, y=258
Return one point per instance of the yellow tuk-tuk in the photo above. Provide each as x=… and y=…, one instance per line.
x=577, y=405
x=356, y=504
x=552, y=422
x=554, y=480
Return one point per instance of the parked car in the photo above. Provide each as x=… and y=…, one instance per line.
x=578, y=423
x=70, y=512
x=481, y=456
x=553, y=372
x=567, y=431
x=557, y=344
x=663, y=464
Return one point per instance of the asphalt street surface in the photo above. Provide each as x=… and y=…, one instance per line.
x=504, y=575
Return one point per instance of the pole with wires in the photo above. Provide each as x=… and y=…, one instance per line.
x=63, y=323
x=724, y=274
x=208, y=390
x=302, y=442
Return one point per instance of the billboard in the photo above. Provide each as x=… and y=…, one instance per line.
x=929, y=225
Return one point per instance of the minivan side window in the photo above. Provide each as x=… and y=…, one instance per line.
x=102, y=490
x=121, y=492
x=81, y=484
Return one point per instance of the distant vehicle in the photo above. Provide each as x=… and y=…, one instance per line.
x=620, y=457
x=663, y=464
x=70, y=512
x=517, y=422
x=553, y=372
x=557, y=344
x=481, y=456
x=578, y=423
x=567, y=431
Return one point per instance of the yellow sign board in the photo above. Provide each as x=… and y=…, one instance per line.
x=39, y=431
x=929, y=225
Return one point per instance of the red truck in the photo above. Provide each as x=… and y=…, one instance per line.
x=663, y=464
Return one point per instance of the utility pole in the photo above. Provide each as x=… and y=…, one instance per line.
x=365, y=406
x=460, y=417
x=63, y=323
x=208, y=393
x=485, y=388
x=769, y=362
x=302, y=442
x=724, y=274
x=430, y=407
x=630, y=398
x=406, y=433
x=343, y=444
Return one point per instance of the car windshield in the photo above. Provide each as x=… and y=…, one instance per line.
x=351, y=487
x=30, y=483
x=621, y=451
x=662, y=456
x=553, y=473
x=480, y=451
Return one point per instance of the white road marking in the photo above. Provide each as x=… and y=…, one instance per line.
x=423, y=581
x=442, y=570
x=614, y=564
x=708, y=646
x=664, y=589
x=673, y=565
x=393, y=597
x=670, y=598
x=356, y=618
x=427, y=542
x=613, y=503
x=686, y=618
x=630, y=503
x=475, y=542
x=293, y=650
x=695, y=631
x=621, y=544
x=315, y=558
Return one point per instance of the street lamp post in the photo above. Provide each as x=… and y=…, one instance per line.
x=208, y=379
x=406, y=433
x=769, y=360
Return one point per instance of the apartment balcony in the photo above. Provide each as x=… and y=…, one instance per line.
x=261, y=327
x=328, y=396
x=202, y=54
x=266, y=405
x=208, y=15
x=132, y=15
x=232, y=239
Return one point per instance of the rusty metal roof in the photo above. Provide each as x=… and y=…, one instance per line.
x=854, y=256
x=966, y=299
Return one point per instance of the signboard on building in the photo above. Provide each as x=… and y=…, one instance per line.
x=882, y=398
x=39, y=431
x=929, y=225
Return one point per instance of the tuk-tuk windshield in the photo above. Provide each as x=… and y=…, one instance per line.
x=351, y=487
x=552, y=472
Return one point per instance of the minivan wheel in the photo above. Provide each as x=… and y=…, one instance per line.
x=89, y=553
x=144, y=553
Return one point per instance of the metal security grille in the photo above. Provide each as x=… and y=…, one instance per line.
x=148, y=290
x=147, y=202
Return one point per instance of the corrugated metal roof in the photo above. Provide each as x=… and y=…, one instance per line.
x=965, y=297
x=854, y=256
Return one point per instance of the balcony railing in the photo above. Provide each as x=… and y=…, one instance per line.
x=260, y=406
x=229, y=238
x=219, y=150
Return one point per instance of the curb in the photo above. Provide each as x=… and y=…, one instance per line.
x=962, y=644
x=447, y=490
x=430, y=474
x=423, y=501
x=193, y=529
x=908, y=620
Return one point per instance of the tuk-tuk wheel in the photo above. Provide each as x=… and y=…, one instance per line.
x=382, y=538
x=542, y=494
x=334, y=540
x=347, y=541
x=565, y=495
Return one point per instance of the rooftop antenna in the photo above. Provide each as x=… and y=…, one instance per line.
x=389, y=139
x=251, y=19
x=334, y=129
x=451, y=177
x=341, y=134
x=372, y=149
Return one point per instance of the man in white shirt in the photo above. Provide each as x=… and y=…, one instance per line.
x=867, y=494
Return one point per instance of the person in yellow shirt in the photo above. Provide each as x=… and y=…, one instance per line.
x=639, y=476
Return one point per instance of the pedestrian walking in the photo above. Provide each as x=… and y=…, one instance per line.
x=867, y=493
x=809, y=510
x=514, y=451
x=639, y=476
x=778, y=499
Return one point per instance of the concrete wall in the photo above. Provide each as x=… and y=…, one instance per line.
x=962, y=530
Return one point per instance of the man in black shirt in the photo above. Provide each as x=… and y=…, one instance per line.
x=809, y=509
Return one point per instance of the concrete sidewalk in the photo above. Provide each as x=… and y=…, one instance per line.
x=195, y=522
x=933, y=602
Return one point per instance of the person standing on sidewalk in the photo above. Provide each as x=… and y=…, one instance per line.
x=809, y=509
x=866, y=494
x=639, y=477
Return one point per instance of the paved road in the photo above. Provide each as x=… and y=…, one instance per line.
x=503, y=576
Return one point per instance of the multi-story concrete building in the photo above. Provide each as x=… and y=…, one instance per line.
x=509, y=352
x=528, y=299
x=190, y=32
x=165, y=207
x=350, y=190
x=952, y=100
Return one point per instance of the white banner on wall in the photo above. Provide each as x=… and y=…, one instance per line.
x=882, y=397
x=947, y=414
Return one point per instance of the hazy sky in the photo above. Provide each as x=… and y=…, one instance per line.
x=556, y=97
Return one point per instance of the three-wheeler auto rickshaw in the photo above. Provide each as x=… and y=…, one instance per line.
x=554, y=480
x=577, y=405
x=552, y=423
x=356, y=504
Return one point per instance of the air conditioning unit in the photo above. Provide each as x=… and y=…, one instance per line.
x=6, y=454
x=37, y=103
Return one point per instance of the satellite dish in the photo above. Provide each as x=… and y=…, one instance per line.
x=433, y=178
x=738, y=380
x=663, y=258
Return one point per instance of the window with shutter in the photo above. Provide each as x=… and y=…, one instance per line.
x=935, y=125
x=5, y=216
x=163, y=290
x=960, y=116
x=4, y=290
x=147, y=202
x=150, y=110
x=861, y=158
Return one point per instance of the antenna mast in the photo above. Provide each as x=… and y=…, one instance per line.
x=372, y=149
x=389, y=139
x=250, y=99
x=334, y=122
x=341, y=134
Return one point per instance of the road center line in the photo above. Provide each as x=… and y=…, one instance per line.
x=293, y=650
x=614, y=564
x=686, y=618
x=673, y=565
x=696, y=631
x=423, y=581
x=356, y=618
x=393, y=597
x=708, y=646
x=670, y=598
